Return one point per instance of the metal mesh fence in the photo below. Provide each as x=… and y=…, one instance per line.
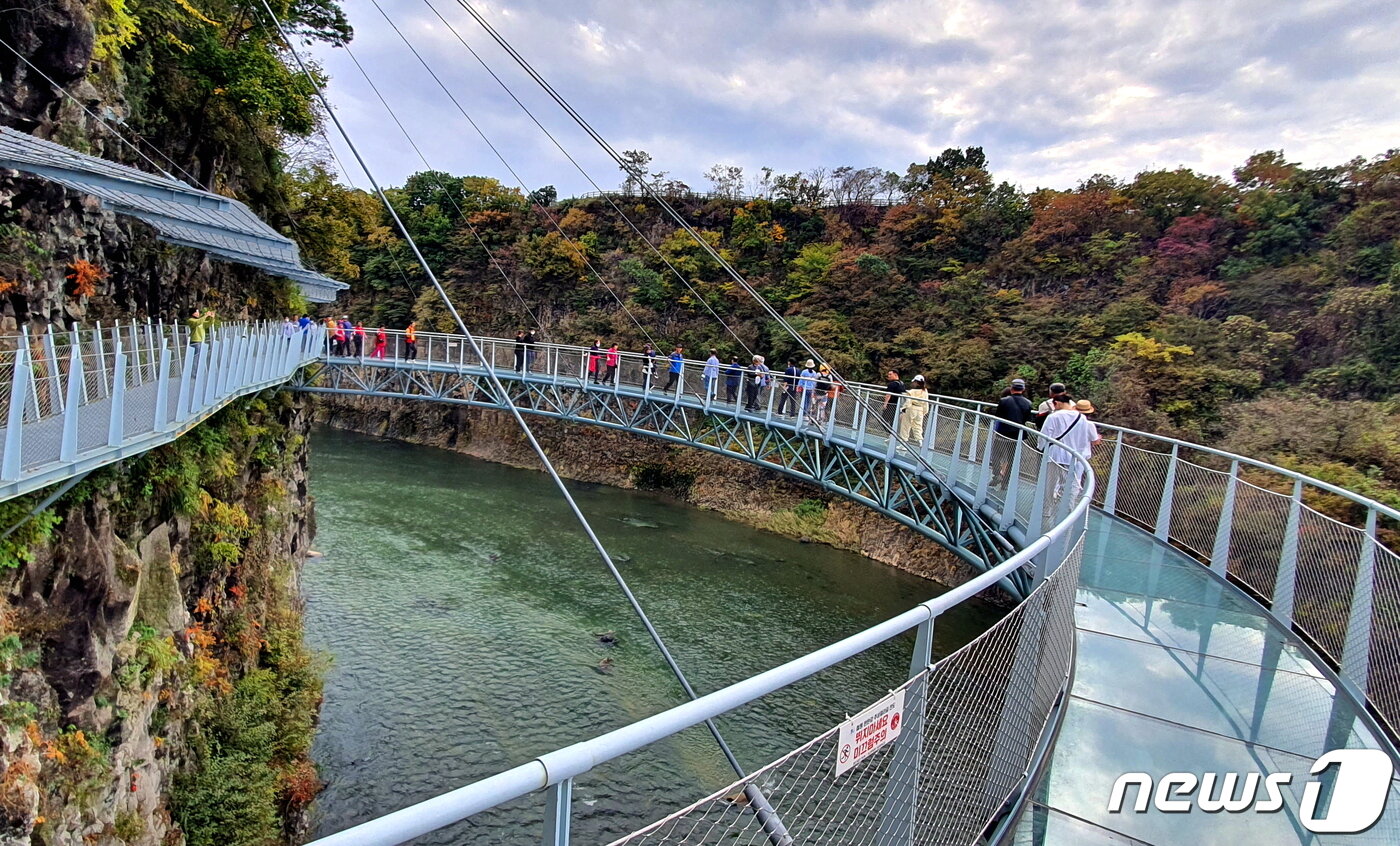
x=972, y=724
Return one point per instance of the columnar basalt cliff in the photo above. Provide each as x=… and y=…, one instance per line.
x=156, y=685
x=740, y=491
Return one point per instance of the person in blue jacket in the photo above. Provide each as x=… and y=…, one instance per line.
x=673, y=374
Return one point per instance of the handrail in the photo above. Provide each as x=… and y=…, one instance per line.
x=559, y=767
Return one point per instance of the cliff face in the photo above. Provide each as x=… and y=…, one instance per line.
x=742, y=492
x=154, y=680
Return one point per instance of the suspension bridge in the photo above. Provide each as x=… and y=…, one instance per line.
x=1183, y=608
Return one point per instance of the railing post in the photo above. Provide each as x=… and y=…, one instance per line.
x=1224, y=528
x=1110, y=493
x=101, y=355
x=33, y=380
x=185, y=395
x=902, y=787
x=830, y=424
x=135, y=348
x=116, y=424
x=10, y=465
x=68, y=450
x=984, y=477
x=162, y=413
x=772, y=395
x=1163, y=530
x=859, y=419
x=51, y=369
x=1286, y=582
x=930, y=431
x=556, y=813
x=956, y=459
x=892, y=439
x=1356, y=653
x=1013, y=489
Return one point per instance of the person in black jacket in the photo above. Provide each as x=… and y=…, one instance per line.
x=733, y=375
x=1012, y=409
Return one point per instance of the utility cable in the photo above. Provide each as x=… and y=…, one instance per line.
x=506, y=400
x=604, y=194
x=519, y=181
x=189, y=179
x=651, y=191
x=490, y=256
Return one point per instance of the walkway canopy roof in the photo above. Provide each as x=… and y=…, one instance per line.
x=182, y=215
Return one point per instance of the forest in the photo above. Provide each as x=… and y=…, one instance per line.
x=1256, y=312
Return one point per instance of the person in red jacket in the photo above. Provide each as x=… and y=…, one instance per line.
x=381, y=340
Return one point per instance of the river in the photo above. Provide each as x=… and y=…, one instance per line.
x=461, y=607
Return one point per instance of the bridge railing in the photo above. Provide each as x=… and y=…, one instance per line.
x=977, y=722
x=72, y=401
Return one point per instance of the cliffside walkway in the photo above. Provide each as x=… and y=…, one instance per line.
x=1182, y=609
x=75, y=401
x=1222, y=623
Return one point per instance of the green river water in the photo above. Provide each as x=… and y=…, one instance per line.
x=461, y=606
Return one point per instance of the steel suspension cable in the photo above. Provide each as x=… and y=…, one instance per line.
x=586, y=175
x=583, y=255
x=506, y=400
x=651, y=192
x=188, y=177
x=490, y=256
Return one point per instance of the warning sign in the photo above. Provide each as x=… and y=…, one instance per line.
x=867, y=731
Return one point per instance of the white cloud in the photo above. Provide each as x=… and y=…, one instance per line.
x=1054, y=91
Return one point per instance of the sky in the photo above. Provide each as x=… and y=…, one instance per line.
x=1054, y=91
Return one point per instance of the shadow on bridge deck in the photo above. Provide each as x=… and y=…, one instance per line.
x=1178, y=671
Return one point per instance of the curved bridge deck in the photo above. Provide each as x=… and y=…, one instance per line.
x=1179, y=671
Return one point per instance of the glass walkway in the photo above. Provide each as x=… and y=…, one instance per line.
x=1179, y=672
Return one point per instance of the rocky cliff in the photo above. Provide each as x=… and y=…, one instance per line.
x=154, y=681
x=742, y=492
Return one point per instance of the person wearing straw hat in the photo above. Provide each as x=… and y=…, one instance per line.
x=1086, y=408
x=806, y=386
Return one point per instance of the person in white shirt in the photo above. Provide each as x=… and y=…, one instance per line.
x=709, y=376
x=1072, y=429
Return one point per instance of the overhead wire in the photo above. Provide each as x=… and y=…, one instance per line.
x=490, y=256
x=582, y=254
x=188, y=177
x=586, y=175
x=524, y=64
x=506, y=399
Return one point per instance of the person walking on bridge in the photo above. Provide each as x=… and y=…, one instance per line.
x=911, y=419
x=788, y=401
x=709, y=376
x=410, y=341
x=648, y=366
x=894, y=389
x=733, y=377
x=1013, y=412
x=757, y=380
x=520, y=350
x=806, y=388
x=1046, y=408
x=612, y=359
x=673, y=373
x=381, y=341
x=595, y=361
x=1067, y=425
x=531, y=340
x=359, y=340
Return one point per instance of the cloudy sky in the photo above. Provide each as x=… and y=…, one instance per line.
x=1054, y=90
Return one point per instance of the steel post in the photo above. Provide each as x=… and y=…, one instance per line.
x=897, y=820
x=101, y=365
x=10, y=465
x=1013, y=488
x=984, y=476
x=1286, y=582
x=162, y=412
x=1224, y=528
x=1110, y=491
x=185, y=391
x=557, y=812
x=116, y=424
x=1163, y=529
x=68, y=451
x=892, y=437
x=955, y=460
x=1356, y=653
x=51, y=370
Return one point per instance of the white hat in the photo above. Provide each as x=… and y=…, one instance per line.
x=919, y=378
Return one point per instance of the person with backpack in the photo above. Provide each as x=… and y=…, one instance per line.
x=1013, y=411
x=1046, y=408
